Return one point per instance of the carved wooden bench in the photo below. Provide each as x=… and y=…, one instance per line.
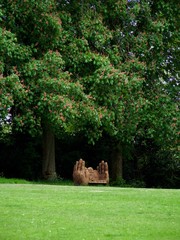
x=85, y=176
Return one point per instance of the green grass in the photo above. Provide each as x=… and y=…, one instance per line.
x=44, y=212
x=13, y=180
x=23, y=181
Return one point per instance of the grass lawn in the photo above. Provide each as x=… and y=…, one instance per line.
x=34, y=211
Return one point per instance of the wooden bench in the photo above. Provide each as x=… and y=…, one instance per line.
x=85, y=176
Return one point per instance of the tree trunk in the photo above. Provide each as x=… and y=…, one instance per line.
x=48, y=164
x=116, y=162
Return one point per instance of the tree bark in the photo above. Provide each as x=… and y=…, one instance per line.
x=48, y=163
x=116, y=162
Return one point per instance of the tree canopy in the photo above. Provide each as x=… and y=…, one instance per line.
x=91, y=67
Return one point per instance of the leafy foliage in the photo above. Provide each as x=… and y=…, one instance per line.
x=92, y=67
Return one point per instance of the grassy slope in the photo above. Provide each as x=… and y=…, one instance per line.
x=89, y=213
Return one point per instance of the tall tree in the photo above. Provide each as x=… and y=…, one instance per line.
x=90, y=67
x=34, y=82
x=120, y=52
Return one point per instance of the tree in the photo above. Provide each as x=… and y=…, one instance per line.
x=90, y=67
x=44, y=99
x=127, y=44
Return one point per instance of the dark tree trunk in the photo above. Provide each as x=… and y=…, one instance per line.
x=48, y=164
x=116, y=162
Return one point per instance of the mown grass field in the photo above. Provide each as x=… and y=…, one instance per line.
x=40, y=212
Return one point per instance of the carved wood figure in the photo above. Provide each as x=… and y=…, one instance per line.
x=85, y=176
